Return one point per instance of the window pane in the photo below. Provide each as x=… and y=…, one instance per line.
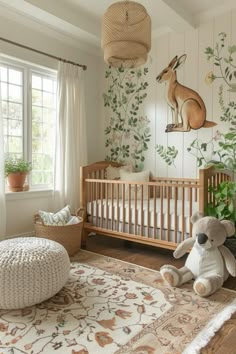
x=49, y=116
x=47, y=99
x=4, y=94
x=3, y=74
x=37, y=114
x=36, y=129
x=36, y=146
x=4, y=109
x=14, y=127
x=37, y=162
x=47, y=162
x=45, y=132
x=37, y=97
x=15, y=93
x=36, y=82
x=37, y=177
x=15, y=145
x=5, y=145
x=15, y=110
x=47, y=85
x=14, y=156
x=5, y=126
x=15, y=77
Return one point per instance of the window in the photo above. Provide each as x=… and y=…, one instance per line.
x=29, y=118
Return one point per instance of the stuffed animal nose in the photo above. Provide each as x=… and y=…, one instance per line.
x=202, y=238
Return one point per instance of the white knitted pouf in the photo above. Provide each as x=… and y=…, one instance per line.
x=31, y=270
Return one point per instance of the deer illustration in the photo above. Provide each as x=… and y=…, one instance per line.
x=183, y=101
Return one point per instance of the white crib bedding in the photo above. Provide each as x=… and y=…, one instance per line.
x=133, y=213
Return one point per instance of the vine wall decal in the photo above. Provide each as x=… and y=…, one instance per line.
x=128, y=131
x=223, y=144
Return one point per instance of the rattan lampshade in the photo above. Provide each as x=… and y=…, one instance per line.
x=126, y=34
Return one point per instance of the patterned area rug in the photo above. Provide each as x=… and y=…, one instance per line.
x=109, y=306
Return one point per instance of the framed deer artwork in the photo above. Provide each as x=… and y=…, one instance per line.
x=187, y=107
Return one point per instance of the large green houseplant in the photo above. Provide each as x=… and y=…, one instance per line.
x=16, y=171
x=223, y=206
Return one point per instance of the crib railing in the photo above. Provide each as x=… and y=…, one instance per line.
x=123, y=209
x=153, y=212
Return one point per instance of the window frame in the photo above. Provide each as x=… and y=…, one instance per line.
x=28, y=69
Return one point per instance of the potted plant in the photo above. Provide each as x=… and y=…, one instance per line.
x=16, y=171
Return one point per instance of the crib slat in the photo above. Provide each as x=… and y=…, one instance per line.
x=148, y=214
x=130, y=211
x=108, y=188
x=182, y=212
x=117, y=206
x=112, y=206
x=196, y=194
x=102, y=197
x=161, y=213
x=135, y=209
x=123, y=207
x=92, y=203
x=168, y=214
x=96, y=203
x=155, y=212
x=141, y=228
x=175, y=213
x=190, y=209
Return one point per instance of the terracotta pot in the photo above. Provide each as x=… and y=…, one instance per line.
x=16, y=181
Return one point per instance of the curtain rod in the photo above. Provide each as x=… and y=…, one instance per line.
x=40, y=52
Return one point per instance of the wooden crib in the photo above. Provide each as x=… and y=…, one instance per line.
x=155, y=213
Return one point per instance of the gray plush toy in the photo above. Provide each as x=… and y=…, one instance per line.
x=209, y=262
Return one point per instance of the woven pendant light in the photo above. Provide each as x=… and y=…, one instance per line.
x=126, y=34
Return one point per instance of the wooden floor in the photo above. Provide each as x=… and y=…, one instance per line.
x=154, y=258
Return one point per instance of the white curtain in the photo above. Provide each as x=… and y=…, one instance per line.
x=2, y=180
x=71, y=147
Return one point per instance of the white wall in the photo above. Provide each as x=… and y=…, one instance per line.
x=192, y=74
x=20, y=209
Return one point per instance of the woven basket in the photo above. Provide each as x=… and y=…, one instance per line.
x=68, y=236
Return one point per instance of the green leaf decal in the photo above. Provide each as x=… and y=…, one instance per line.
x=128, y=131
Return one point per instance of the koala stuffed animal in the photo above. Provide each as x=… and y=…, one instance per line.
x=209, y=262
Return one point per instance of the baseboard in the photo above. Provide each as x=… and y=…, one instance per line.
x=23, y=234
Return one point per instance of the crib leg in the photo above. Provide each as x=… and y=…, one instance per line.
x=84, y=238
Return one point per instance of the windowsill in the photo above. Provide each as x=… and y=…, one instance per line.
x=30, y=194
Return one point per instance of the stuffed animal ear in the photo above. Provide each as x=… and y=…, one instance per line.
x=229, y=227
x=196, y=216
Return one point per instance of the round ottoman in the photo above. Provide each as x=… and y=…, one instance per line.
x=31, y=270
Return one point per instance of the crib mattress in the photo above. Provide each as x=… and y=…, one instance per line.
x=132, y=213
